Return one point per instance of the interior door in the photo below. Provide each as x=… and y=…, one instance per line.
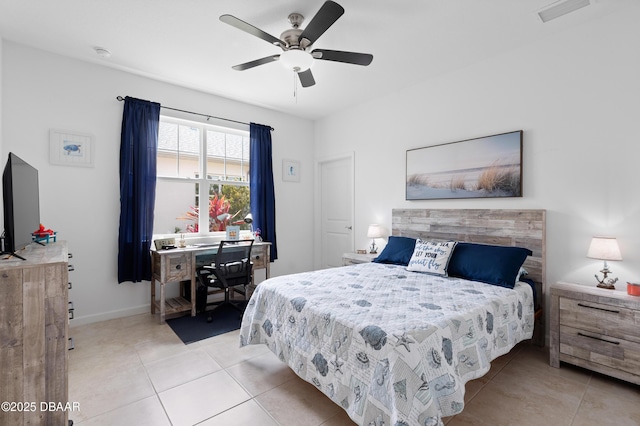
x=335, y=179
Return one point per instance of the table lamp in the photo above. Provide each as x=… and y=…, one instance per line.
x=375, y=231
x=605, y=248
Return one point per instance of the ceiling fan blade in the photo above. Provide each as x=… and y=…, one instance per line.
x=326, y=16
x=261, y=61
x=341, y=56
x=248, y=28
x=306, y=78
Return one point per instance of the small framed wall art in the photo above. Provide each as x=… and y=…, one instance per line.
x=290, y=171
x=70, y=148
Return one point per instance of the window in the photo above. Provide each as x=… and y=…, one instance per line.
x=191, y=157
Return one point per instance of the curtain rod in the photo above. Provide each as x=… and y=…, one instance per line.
x=120, y=98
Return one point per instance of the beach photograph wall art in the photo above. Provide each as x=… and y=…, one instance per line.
x=484, y=167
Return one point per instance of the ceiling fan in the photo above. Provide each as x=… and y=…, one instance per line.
x=295, y=43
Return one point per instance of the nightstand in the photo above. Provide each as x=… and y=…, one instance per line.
x=354, y=258
x=595, y=329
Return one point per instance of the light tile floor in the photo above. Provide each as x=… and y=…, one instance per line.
x=135, y=371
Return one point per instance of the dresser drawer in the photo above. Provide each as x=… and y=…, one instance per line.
x=601, y=319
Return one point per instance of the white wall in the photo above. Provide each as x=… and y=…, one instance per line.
x=1, y=150
x=42, y=91
x=574, y=94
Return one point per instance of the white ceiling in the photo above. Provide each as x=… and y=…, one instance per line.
x=184, y=42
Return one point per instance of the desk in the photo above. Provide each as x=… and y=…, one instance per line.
x=180, y=264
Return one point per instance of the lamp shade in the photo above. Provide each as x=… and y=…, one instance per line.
x=375, y=231
x=604, y=248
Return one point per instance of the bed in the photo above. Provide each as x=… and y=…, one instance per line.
x=395, y=346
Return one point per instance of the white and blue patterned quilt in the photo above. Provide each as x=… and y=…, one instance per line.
x=391, y=347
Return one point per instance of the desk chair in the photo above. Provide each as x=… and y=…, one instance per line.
x=230, y=272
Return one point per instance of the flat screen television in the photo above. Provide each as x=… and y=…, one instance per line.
x=21, y=204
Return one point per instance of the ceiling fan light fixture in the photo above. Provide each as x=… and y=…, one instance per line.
x=296, y=60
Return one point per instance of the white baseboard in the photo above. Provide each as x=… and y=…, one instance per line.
x=104, y=316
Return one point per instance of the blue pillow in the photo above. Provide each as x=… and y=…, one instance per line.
x=398, y=251
x=497, y=265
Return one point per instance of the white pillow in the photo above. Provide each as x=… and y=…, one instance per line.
x=431, y=257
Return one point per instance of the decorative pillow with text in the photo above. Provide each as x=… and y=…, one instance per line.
x=431, y=257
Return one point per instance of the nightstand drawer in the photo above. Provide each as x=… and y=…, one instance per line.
x=601, y=349
x=599, y=318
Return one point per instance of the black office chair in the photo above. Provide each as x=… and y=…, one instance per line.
x=231, y=271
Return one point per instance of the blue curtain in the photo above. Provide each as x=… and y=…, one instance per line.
x=263, y=200
x=138, y=148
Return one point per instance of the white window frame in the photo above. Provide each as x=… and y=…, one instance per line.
x=203, y=181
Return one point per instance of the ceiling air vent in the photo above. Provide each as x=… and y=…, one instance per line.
x=561, y=8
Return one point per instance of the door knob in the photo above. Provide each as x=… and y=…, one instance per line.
x=349, y=227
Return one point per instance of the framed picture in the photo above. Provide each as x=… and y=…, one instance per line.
x=290, y=171
x=233, y=233
x=70, y=148
x=485, y=167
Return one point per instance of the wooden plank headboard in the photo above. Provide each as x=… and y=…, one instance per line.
x=522, y=228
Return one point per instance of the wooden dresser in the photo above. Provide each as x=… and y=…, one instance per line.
x=596, y=329
x=33, y=336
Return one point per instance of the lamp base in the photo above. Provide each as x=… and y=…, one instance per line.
x=607, y=283
x=607, y=286
x=373, y=249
